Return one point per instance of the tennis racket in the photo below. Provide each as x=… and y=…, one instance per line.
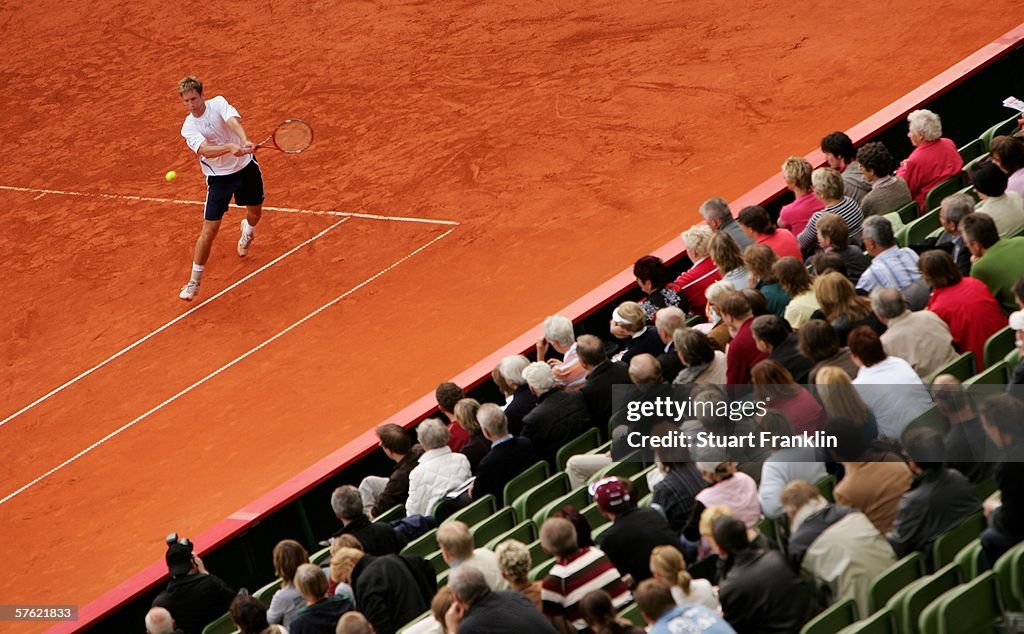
x=291, y=137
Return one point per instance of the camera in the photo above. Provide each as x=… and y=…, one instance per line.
x=173, y=538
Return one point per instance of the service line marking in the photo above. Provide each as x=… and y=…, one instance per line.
x=185, y=314
x=290, y=210
x=221, y=369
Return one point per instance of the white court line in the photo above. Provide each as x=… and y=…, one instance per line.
x=224, y=367
x=185, y=314
x=291, y=210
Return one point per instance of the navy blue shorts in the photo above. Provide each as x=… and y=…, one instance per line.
x=246, y=185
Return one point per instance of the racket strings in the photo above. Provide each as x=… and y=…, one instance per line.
x=293, y=136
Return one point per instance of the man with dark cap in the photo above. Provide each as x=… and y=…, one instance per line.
x=193, y=596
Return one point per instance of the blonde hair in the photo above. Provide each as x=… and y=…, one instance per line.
x=837, y=297
x=708, y=517
x=797, y=170
x=725, y=253
x=838, y=396
x=633, y=313
x=514, y=561
x=343, y=562
x=696, y=239
x=465, y=413
x=188, y=83
x=668, y=562
x=827, y=183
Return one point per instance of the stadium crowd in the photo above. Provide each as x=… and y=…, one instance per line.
x=822, y=312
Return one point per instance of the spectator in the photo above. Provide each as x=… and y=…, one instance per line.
x=758, y=304
x=559, y=417
x=669, y=567
x=389, y=590
x=997, y=263
x=447, y=395
x=1002, y=417
x=836, y=545
x=725, y=253
x=676, y=492
x=477, y=446
x=761, y=592
x=515, y=563
x=435, y=623
x=775, y=385
x=250, y=616
x=1017, y=324
x=888, y=192
x=730, y=488
x=668, y=321
x=507, y=457
x=694, y=281
x=797, y=173
x=743, y=352
x=658, y=608
x=876, y=476
x=286, y=602
x=1007, y=152
x=843, y=157
x=968, y=447
x=920, y=338
x=965, y=304
x=716, y=328
x=828, y=187
x=337, y=587
x=160, y=621
x=601, y=616
x=938, y=499
x=891, y=266
x=456, y=544
x=952, y=210
x=576, y=572
x=841, y=400
x=817, y=340
x=584, y=537
x=702, y=364
x=759, y=260
x=377, y=538
x=602, y=374
x=793, y=277
x=710, y=407
x=478, y=610
x=758, y=226
x=652, y=277
x=321, y=614
x=380, y=494
x=934, y=158
x=193, y=596
x=774, y=337
x=354, y=623
x=1005, y=208
x=519, y=400
x=893, y=407
x=634, y=532
x=843, y=308
x=717, y=214
x=438, y=470
x=784, y=465
x=558, y=334
x=629, y=324
x=834, y=238
x=823, y=263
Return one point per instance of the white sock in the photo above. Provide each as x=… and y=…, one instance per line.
x=197, y=272
x=247, y=228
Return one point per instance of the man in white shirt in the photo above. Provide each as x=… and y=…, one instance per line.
x=213, y=130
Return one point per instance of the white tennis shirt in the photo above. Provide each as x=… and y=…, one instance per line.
x=213, y=127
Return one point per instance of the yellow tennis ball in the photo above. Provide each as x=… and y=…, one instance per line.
x=170, y=176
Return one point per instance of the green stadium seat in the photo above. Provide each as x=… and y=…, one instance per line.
x=999, y=129
x=422, y=545
x=998, y=346
x=537, y=553
x=503, y=521
x=222, y=625
x=930, y=418
x=881, y=622
x=639, y=480
x=593, y=515
x=1012, y=358
x=475, y=513
x=825, y=485
x=647, y=500
x=602, y=448
x=969, y=560
x=961, y=367
x=947, y=187
x=596, y=532
x=833, y=619
x=541, y=570
x=996, y=374
x=533, y=500
x=908, y=213
x=442, y=578
x=895, y=578
x=973, y=607
x=693, y=320
x=768, y=528
x=525, y=532
x=267, y=592
x=948, y=544
x=972, y=150
x=1010, y=570
x=632, y=614
x=974, y=161
x=583, y=443
x=908, y=603
x=621, y=468
x=436, y=560
x=408, y=626
x=917, y=230
x=895, y=220
x=321, y=556
x=396, y=512
x=525, y=481
x=985, y=488
x=577, y=498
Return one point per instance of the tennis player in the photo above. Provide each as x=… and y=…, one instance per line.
x=213, y=130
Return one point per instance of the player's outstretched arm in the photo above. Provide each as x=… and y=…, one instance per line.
x=210, y=150
x=236, y=126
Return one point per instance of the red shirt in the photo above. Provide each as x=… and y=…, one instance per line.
x=742, y=355
x=928, y=165
x=695, y=281
x=782, y=242
x=796, y=214
x=972, y=313
x=803, y=410
x=457, y=437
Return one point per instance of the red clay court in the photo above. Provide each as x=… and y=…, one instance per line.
x=499, y=161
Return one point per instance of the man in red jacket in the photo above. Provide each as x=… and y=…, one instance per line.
x=743, y=352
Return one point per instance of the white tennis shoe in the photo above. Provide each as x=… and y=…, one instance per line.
x=189, y=290
x=245, y=241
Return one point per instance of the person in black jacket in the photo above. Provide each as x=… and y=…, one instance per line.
x=775, y=338
x=629, y=324
x=602, y=376
x=377, y=538
x=390, y=590
x=476, y=609
x=1002, y=416
x=321, y=614
x=952, y=210
x=193, y=596
x=508, y=456
x=560, y=415
x=379, y=493
x=667, y=321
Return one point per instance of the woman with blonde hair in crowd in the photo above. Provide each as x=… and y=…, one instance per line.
x=843, y=307
x=477, y=446
x=840, y=399
x=695, y=280
x=716, y=328
x=669, y=567
x=288, y=555
x=725, y=253
x=795, y=280
x=515, y=562
x=794, y=216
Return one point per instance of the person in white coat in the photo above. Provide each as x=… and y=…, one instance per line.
x=439, y=470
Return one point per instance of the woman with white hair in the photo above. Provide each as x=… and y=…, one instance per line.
x=560, y=415
x=934, y=159
x=519, y=400
x=439, y=470
x=693, y=282
x=559, y=334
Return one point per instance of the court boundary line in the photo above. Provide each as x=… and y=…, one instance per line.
x=175, y=201
x=221, y=369
x=147, y=337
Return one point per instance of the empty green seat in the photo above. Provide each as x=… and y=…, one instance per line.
x=881, y=622
x=267, y=592
x=422, y=545
x=222, y=625
x=321, y=556
x=1010, y=570
x=537, y=553
x=973, y=607
x=985, y=488
x=948, y=544
x=998, y=345
x=961, y=367
x=593, y=515
x=602, y=448
x=583, y=443
x=396, y=512
x=934, y=197
x=525, y=532
x=999, y=129
x=835, y=618
x=577, y=498
x=525, y=481
x=436, y=560
x=639, y=480
x=908, y=212
x=533, y=500
x=426, y=615
x=969, y=560
x=917, y=230
x=996, y=374
x=908, y=603
x=500, y=522
x=475, y=513
x=895, y=578
x=972, y=150
x=621, y=468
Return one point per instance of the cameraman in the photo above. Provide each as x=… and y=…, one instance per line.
x=193, y=596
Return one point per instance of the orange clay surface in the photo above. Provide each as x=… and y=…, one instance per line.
x=566, y=137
